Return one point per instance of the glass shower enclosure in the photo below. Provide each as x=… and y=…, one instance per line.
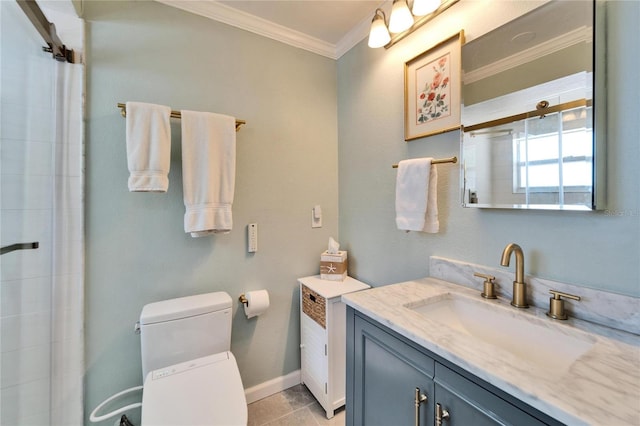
x=41, y=224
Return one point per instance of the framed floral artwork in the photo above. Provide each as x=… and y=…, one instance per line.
x=432, y=82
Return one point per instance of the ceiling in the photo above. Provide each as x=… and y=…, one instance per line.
x=327, y=27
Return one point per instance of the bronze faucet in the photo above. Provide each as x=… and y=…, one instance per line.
x=519, y=299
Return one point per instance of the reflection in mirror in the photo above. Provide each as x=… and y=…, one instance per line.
x=534, y=162
x=527, y=112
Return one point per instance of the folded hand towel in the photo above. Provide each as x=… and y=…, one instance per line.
x=416, y=196
x=208, y=171
x=148, y=146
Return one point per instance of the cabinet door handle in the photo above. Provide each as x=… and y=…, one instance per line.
x=441, y=414
x=419, y=399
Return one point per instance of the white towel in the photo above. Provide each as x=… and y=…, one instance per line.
x=208, y=171
x=148, y=146
x=416, y=196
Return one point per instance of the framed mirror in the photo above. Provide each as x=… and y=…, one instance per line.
x=532, y=136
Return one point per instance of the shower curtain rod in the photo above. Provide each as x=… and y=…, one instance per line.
x=47, y=31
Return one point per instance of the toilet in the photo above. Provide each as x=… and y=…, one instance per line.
x=190, y=376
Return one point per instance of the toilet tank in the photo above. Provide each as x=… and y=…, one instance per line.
x=182, y=329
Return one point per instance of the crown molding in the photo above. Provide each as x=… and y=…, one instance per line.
x=239, y=19
x=353, y=37
x=551, y=46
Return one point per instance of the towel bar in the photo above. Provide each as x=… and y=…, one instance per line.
x=174, y=114
x=453, y=160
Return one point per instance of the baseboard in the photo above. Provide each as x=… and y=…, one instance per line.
x=273, y=386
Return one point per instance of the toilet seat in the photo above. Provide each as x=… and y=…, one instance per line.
x=204, y=391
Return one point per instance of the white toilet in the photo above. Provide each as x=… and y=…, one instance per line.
x=190, y=376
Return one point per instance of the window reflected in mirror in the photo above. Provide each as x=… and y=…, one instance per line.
x=538, y=161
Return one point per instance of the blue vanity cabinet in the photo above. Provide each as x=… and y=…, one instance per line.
x=384, y=369
x=469, y=404
x=387, y=376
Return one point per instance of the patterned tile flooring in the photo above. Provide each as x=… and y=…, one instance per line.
x=295, y=406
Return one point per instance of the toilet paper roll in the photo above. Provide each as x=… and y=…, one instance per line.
x=257, y=303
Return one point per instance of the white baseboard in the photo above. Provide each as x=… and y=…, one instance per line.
x=273, y=386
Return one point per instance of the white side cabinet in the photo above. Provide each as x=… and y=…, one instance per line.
x=323, y=338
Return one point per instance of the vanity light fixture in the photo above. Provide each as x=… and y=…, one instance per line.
x=403, y=20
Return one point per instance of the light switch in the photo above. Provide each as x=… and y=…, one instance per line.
x=316, y=217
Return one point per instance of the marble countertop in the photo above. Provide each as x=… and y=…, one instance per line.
x=601, y=388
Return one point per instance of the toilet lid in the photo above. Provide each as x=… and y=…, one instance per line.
x=204, y=391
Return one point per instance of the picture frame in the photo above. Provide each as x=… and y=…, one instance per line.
x=432, y=85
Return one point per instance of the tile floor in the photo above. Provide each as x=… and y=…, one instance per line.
x=295, y=406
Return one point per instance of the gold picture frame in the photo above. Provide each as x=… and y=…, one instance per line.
x=432, y=84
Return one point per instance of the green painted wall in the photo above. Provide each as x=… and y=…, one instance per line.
x=137, y=251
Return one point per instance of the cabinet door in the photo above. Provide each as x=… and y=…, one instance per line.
x=313, y=358
x=386, y=373
x=469, y=404
x=336, y=320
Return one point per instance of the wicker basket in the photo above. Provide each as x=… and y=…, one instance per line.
x=314, y=306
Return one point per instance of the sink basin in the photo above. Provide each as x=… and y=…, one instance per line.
x=531, y=339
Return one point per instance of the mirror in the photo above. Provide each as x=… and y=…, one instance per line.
x=528, y=138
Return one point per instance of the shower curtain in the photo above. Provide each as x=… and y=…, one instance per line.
x=41, y=173
x=67, y=314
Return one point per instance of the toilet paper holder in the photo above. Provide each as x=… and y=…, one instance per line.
x=243, y=299
x=255, y=302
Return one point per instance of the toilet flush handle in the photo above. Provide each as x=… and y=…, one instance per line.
x=136, y=327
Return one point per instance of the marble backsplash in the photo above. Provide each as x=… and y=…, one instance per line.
x=609, y=309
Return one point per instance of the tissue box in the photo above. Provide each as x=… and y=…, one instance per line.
x=333, y=267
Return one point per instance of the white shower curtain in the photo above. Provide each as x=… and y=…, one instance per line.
x=68, y=248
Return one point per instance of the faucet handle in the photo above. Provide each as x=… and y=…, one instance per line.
x=556, y=304
x=489, y=288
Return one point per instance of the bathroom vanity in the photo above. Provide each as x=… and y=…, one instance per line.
x=429, y=352
x=407, y=384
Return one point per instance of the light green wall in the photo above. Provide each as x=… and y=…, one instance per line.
x=136, y=248
x=594, y=249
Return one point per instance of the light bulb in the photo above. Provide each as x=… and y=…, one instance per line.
x=378, y=35
x=424, y=7
x=401, y=18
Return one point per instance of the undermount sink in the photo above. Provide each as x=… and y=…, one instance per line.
x=533, y=340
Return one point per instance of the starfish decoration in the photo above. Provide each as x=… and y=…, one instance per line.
x=331, y=269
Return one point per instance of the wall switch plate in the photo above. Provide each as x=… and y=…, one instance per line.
x=316, y=217
x=252, y=237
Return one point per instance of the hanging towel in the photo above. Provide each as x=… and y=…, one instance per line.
x=208, y=171
x=416, y=196
x=148, y=146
